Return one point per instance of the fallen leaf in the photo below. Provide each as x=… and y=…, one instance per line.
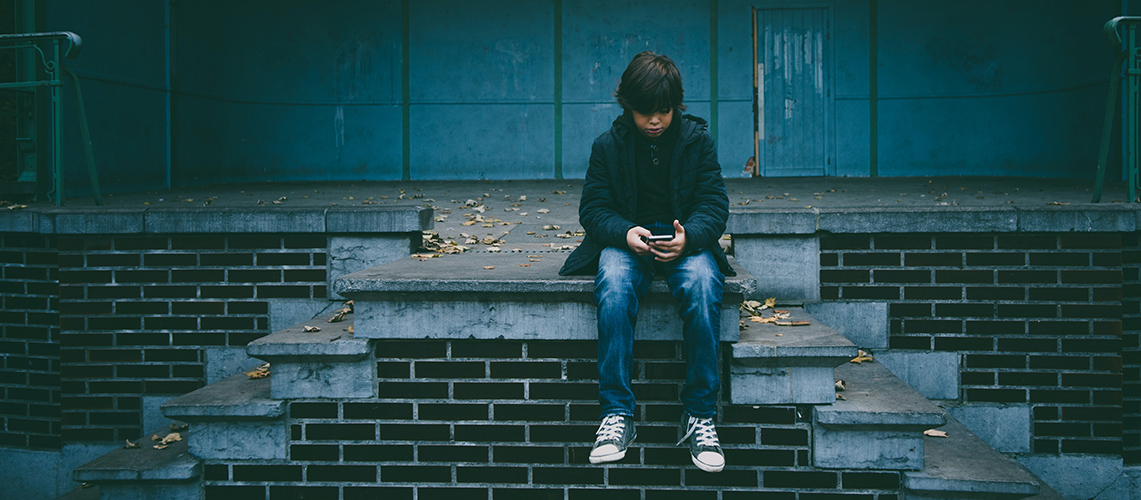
x=310, y=329
x=863, y=356
x=131, y=445
x=551, y=227
x=1058, y=203
x=543, y=211
x=841, y=385
x=792, y=323
x=175, y=427
x=489, y=267
x=340, y=315
x=350, y=329
x=259, y=372
x=524, y=265
x=936, y=433
x=769, y=302
x=349, y=305
x=840, y=397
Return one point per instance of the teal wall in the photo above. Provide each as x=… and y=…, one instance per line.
x=296, y=90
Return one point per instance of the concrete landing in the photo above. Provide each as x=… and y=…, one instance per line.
x=963, y=466
x=144, y=463
x=235, y=397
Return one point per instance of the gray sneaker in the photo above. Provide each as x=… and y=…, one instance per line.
x=612, y=438
x=704, y=448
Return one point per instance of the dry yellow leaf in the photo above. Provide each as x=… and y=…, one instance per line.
x=863, y=356
x=935, y=433
x=489, y=267
x=769, y=302
x=259, y=372
x=840, y=397
x=131, y=445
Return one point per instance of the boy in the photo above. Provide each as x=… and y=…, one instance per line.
x=653, y=202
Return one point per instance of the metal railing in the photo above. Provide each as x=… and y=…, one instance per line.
x=62, y=44
x=1127, y=45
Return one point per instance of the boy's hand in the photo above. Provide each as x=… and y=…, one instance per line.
x=666, y=251
x=635, y=242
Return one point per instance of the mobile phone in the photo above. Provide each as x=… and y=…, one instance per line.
x=660, y=237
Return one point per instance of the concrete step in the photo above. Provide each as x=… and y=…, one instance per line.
x=142, y=473
x=964, y=466
x=878, y=425
x=326, y=364
x=787, y=365
x=234, y=418
x=510, y=295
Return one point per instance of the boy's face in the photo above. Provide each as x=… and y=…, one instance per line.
x=655, y=124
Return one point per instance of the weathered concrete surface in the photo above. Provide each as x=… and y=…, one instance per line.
x=864, y=323
x=787, y=365
x=257, y=219
x=759, y=221
x=786, y=267
x=239, y=440
x=1004, y=428
x=222, y=362
x=512, y=295
x=236, y=397
x=349, y=254
x=919, y=220
x=879, y=425
x=1088, y=476
x=329, y=363
x=144, y=463
x=934, y=374
x=31, y=474
x=963, y=466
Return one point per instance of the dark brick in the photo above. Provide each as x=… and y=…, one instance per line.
x=680, y=495
x=306, y=241
x=995, y=361
x=563, y=391
x=932, y=326
x=198, y=276
x=567, y=475
x=529, y=412
x=963, y=276
x=1052, y=294
x=253, y=242
x=1091, y=380
x=312, y=410
x=414, y=432
x=1027, y=276
x=1107, y=260
x=871, y=259
x=909, y=342
x=340, y=473
x=195, y=308
x=1059, y=259
x=570, y=349
x=995, y=293
x=283, y=292
x=315, y=452
x=1060, y=362
x=1058, y=327
x=237, y=307
x=654, y=477
x=995, y=395
x=992, y=259
x=282, y=259
x=829, y=292
x=378, y=453
x=451, y=411
x=871, y=292
x=1027, y=379
x=870, y=480
x=784, y=437
x=655, y=350
x=141, y=276
x=1061, y=429
x=799, y=479
x=1027, y=311
x=1091, y=413
x=227, y=292
x=526, y=369
x=977, y=378
x=267, y=472
x=450, y=369
x=964, y=242
x=902, y=242
x=1060, y=396
x=159, y=260
x=217, y=492
x=503, y=475
x=1091, y=310
x=452, y=453
x=1091, y=241
x=933, y=260
x=340, y=432
x=1104, y=447
x=829, y=260
x=142, y=308
x=303, y=492
x=1086, y=277
x=1028, y=242
x=487, y=390
x=393, y=369
x=166, y=292
x=226, y=259
x=1027, y=345
x=487, y=349
x=845, y=276
x=985, y=328
x=567, y=433
x=845, y=242
x=526, y=454
x=435, y=390
x=968, y=310
x=932, y=292
x=68, y=276
x=302, y=275
x=1091, y=345
x=963, y=344
x=128, y=243
x=486, y=433
x=415, y=474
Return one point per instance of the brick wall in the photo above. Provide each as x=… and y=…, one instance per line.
x=507, y=419
x=1037, y=318
x=1131, y=351
x=136, y=313
x=29, y=342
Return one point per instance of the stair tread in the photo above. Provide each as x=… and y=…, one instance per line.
x=174, y=463
x=962, y=462
x=874, y=396
x=235, y=397
x=332, y=340
x=767, y=340
x=510, y=272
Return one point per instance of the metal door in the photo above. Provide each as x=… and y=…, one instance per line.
x=793, y=94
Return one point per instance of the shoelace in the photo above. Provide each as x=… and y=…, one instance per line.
x=611, y=428
x=704, y=430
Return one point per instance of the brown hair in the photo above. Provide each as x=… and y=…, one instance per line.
x=650, y=83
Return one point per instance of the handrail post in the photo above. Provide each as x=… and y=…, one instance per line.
x=1127, y=52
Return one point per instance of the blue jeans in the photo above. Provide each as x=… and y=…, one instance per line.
x=622, y=281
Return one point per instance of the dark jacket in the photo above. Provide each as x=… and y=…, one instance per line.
x=607, y=209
